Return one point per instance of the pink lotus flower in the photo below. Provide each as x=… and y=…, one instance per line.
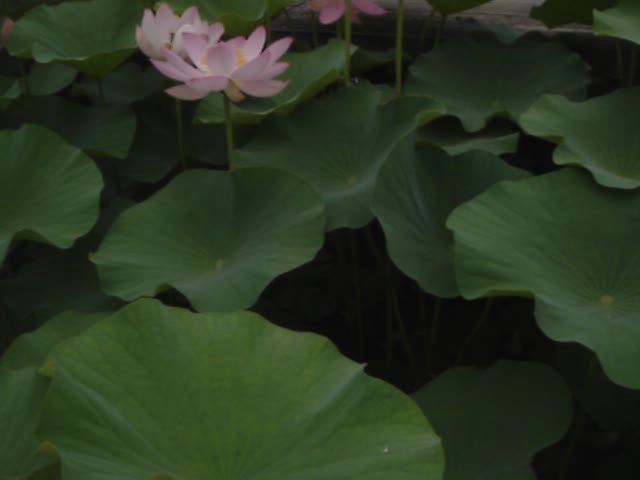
x=332, y=10
x=7, y=26
x=237, y=67
x=165, y=30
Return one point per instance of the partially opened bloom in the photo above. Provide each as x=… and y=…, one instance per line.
x=332, y=10
x=237, y=67
x=7, y=26
x=165, y=29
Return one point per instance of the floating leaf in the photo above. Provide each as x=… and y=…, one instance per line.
x=217, y=237
x=176, y=394
x=570, y=243
x=49, y=190
x=448, y=134
x=493, y=422
x=448, y=7
x=98, y=130
x=21, y=394
x=238, y=16
x=308, y=74
x=127, y=84
x=43, y=79
x=622, y=21
x=599, y=134
x=31, y=349
x=559, y=12
x=414, y=195
x=94, y=36
x=337, y=144
x=478, y=79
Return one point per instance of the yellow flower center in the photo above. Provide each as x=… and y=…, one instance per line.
x=240, y=58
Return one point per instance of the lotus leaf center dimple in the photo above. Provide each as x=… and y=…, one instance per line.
x=606, y=300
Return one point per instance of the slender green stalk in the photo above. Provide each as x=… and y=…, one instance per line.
x=314, y=29
x=443, y=22
x=289, y=23
x=180, y=128
x=103, y=99
x=267, y=23
x=24, y=82
x=633, y=64
x=402, y=327
x=476, y=328
x=347, y=36
x=229, y=127
x=399, y=46
x=435, y=327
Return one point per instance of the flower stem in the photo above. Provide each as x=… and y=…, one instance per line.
x=399, y=46
x=348, y=12
x=229, y=127
x=428, y=25
x=180, y=127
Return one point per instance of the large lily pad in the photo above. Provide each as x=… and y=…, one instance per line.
x=98, y=130
x=172, y=394
x=599, y=134
x=308, y=74
x=49, y=190
x=21, y=394
x=448, y=7
x=570, y=243
x=337, y=145
x=31, y=349
x=559, y=12
x=622, y=21
x=237, y=15
x=414, y=195
x=94, y=36
x=493, y=422
x=479, y=79
x=448, y=134
x=43, y=79
x=217, y=237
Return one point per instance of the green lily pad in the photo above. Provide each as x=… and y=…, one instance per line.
x=94, y=36
x=492, y=422
x=448, y=7
x=98, y=130
x=479, y=79
x=308, y=74
x=560, y=12
x=622, y=21
x=127, y=84
x=217, y=237
x=337, y=144
x=599, y=134
x=21, y=394
x=49, y=190
x=31, y=349
x=614, y=408
x=238, y=16
x=43, y=79
x=570, y=243
x=449, y=135
x=236, y=397
x=414, y=195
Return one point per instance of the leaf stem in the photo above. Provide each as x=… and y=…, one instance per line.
x=399, y=46
x=443, y=22
x=428, y=25
x=229, y=128
x=347, y=36
x=103, y=99
x=633, y=64
x=355, y=263
x=180, y=128
x=476, y=328
x=435, y=327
